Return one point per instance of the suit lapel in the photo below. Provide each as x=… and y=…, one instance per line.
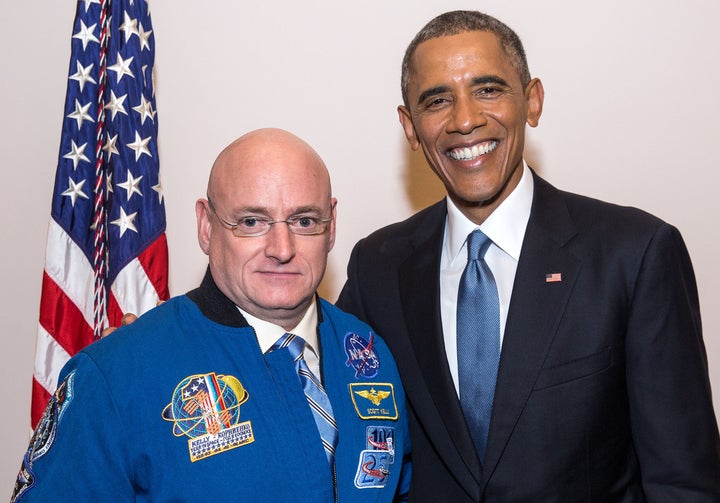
x=536, y=307
x=436, y=402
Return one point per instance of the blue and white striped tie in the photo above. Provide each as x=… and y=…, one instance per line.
x=314, y=392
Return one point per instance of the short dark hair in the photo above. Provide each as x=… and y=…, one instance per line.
x=461, y=21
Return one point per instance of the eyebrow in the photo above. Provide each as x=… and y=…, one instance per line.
x=489, y=79
x=259, y=210
x=433, y=91
x=476, y=81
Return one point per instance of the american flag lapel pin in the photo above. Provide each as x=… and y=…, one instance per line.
x=554, y=277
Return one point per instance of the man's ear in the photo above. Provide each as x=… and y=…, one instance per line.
x=408, y=127
x=331, y=237
x=535, y=96
x=204, y=227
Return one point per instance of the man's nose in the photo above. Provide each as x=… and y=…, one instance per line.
x=467, y=114
x=280, y=242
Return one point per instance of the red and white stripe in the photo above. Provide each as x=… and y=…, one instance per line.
x=66, y=304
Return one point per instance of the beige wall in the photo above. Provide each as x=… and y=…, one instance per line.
x=630, y=116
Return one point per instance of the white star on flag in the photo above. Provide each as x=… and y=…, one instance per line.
x=158, y=188
x=86, y=35
x=74, y=190
x=140, y=146
x=109, y=147
x=76, y=154
x=81, y=114
x=129, y=26
x=83, y=75
x=88, y=2
x=122, y=67
x=144, y=38
x=145, y=110
x=115, y=105
x=131, y=185
x=125, y=222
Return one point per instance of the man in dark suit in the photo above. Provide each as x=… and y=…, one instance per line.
x=602, y=390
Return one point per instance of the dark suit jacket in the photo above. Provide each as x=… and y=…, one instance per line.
x=602, y=392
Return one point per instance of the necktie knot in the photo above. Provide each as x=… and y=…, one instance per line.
x=294, y=343
x=477, y=245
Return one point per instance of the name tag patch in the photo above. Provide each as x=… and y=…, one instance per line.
x=374, y=400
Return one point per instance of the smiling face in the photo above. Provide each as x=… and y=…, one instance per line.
x=467, y=109
x=267, y=174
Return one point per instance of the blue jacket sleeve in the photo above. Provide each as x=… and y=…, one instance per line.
x=79, y=451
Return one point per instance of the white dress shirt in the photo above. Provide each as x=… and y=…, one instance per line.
x=506, y=228
x=268, y=333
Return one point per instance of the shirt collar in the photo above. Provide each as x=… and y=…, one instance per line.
x=268, y=333
x=505, y=226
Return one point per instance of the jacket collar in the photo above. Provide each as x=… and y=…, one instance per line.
x=217, y=307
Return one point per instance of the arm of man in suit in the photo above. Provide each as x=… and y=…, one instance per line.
x=674, y=427
x=349, y=298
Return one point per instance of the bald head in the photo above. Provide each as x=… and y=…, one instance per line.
x=262, y=152
x=269, y=176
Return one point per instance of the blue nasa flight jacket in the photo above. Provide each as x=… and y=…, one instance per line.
x=182, y=405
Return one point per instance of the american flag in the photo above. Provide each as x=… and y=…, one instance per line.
x=204, y=393
x=106, y=249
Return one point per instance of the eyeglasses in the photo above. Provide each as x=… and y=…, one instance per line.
x=255, y=226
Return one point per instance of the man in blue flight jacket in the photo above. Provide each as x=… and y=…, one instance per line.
x=249, y=387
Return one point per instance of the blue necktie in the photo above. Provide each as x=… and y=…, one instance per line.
x=314, y=392
x=478, y=340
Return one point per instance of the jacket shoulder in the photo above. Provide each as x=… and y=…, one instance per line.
x=593, y=216
x=149, y=334
x=344, y=322
x=401, y=235
x=340, y=319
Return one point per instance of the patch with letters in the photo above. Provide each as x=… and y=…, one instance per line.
x=206, y=408
x=381, y=438
x=361, y=355
x=374, y=400
x=373, y=469
x=44, y=435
